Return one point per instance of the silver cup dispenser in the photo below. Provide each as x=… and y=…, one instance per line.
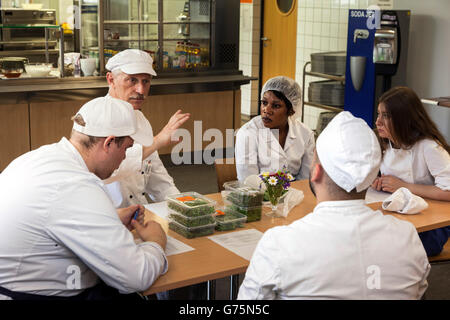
x=386, y=47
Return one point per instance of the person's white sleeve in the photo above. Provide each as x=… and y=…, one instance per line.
x=438, y=162
x=262, y=279
x=129, y=166
x=422, y=264
x=307, y=158
x=160, y=184
x=84, y=220
x=246, y=154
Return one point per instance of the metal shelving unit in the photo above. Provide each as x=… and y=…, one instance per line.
x=59, y=34
x=319, y=75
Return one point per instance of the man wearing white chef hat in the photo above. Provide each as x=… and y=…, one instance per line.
x=343, y=249
x=60, y=235
x=142, y=173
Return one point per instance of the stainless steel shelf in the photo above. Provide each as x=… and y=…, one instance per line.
x=128, y=40
x=322, y=106
x=30, y=42
x=314, y=104
x=129, y=22
x=326, y=76
x=27, y=52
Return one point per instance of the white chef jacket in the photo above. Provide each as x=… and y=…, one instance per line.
x=137, y=177
x=343, y=250
x=56, y=221
x=425, y=163
x=258, y=149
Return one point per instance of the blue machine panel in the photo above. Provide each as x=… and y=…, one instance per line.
x=360, y=103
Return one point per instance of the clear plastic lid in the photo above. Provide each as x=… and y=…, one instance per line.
x=196, y=228
x=238, y=186
x=225, y=215
x=191, y=221
x=191, y=204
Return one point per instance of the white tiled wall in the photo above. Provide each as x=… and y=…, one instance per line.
x=249, y=54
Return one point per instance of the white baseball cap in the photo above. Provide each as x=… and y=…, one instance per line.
x=349, y=152
x=107, y=116
x=132, y=61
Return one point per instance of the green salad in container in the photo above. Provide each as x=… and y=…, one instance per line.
x=241, y=195
x=252, y=213
x=193, y=232
x=228, y=219
x=191, y=221
x=191, y=204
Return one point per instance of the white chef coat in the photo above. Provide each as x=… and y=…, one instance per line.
x=56, y=220
x=343, y=250
x=137, y=177
x=258, y=149
x=425, y=163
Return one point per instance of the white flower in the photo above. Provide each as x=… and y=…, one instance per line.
x=273, y=181
x=290, y=177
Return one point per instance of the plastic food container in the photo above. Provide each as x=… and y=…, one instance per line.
x=191, y=204
x=191, y=221
x=228, y=219
x=241, y=195
x=252, y=213
x=191, y=232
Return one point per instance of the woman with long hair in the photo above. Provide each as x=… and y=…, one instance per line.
x=415, y=155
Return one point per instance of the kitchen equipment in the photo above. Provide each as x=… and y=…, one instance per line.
x=377, y=46
x=12, y=67
x=357, y=71
x=38, y=70
x=327, y=92
x=328, y=62
x=20, y=32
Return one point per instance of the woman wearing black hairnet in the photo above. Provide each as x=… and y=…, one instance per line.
x=277, y=138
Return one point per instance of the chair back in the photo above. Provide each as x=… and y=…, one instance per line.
x=225, y=171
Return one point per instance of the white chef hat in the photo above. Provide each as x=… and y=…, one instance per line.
x=349, y=152
x=289, y=88
x=132, y=61
x=107, y=116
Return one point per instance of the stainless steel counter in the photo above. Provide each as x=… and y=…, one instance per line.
x=166, y=85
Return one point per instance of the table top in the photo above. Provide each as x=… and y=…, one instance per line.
x=211, y=261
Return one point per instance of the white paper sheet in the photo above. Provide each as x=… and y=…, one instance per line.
x=173, y=246
x=242, y=243
x=160, y=208
x=373, y=195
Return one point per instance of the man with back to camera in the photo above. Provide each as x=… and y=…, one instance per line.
x=142, y=172
x=59, y=230
x=343, y=249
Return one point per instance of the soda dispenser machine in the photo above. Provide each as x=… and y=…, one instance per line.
x=377, y=47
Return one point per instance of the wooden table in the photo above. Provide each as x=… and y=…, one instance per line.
x=210, y=261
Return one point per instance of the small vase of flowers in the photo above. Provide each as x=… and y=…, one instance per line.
x=276, y=183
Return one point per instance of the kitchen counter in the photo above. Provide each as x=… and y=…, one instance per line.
x=165, y=85
x=38, y=111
